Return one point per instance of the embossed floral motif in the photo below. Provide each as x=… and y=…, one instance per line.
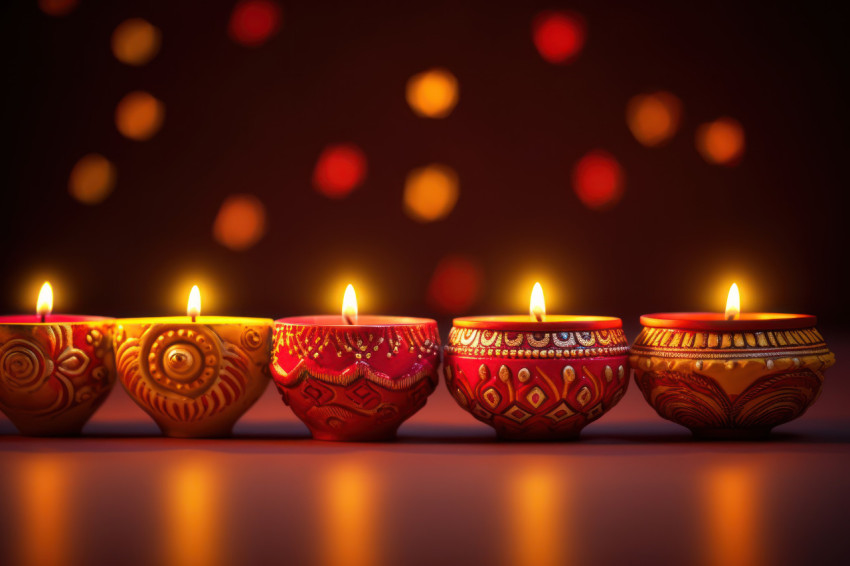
x=24, y=365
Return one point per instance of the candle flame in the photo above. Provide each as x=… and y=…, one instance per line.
x=537, y=306
x=193, y=308
x=349, y=306
x=45, y=300
x=733, y=303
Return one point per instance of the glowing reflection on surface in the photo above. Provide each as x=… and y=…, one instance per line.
x=731, y=496
x=538, y=529
x=192, y=521
x=44, y=491
x=349, y=509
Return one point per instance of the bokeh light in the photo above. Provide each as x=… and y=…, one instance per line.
x=340, y=169
x=455, y=285
x=92, y=179
x=136, y=41
x=653, y=118
x=431, y=192
x=57, y=7
x=721, y=142
x=598, y=180
x=558, y=35
x=240, y=222
x=433, y=93
x=253, y=22
x=139, y=116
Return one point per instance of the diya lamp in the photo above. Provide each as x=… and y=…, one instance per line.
x=355, y=378
x=194, y=375
x=732, y=374
x=537, y=377
x=55, y=369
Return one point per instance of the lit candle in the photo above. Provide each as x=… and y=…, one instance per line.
x=194, y=375
x=730, y=374
x=537, y=376
x=55, y=369
x=355, y=377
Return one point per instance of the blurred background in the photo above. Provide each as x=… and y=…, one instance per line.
x=441, y=156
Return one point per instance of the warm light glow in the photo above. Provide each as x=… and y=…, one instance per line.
x=537, y=306
x=92, y=179
x=240, y=222
x=733, y=303
x=349, y=306
x=45, y=300
x=46, y=487
x=433, y=93
x=57, y=7
x=430, y=193
x=559, y=36
x=193, y=308
x=455, y=285
x=732, y=513
x=540, y=516
x=253, y=22
x=136, y=41
x=340, y=169
x=653, y=118
x=598, y=180
x=139, y=116
x=350, y=507
x=193, y=512
x=721, y=142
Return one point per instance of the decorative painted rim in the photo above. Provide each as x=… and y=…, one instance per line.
x=363, y=321
x=202, y=320
x=563, y=323
x=717, y=321
x=35, y=320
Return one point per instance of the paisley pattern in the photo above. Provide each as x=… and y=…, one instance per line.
x=53, y=377
x=728, y=383
x=192, y=375
x=700, y=403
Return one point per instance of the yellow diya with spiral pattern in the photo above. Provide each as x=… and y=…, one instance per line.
x=196, y=376
x=55, y=370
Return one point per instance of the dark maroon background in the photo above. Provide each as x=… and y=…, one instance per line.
x=254, y=120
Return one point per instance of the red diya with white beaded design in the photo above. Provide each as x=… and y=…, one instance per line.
x=355, y=382
x=533, y=380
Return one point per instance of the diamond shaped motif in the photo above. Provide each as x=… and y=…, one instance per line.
x=536, y=397
x=481, y=413
x=595, y=412
x=317, y=393
x=492, y=397
x=517, y=414
x=561, y=412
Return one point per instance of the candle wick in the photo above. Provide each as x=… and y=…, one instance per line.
x=43, y=317
x=194, y=318
x=347, y=319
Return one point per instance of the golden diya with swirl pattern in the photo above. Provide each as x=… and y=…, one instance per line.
x=55, y=369
x=194, y=375
x=730, y=375
x=537, y=377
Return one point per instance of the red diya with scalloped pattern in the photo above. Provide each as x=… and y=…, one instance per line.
x=537, y=380
x=355, y=382
x=54, y=374
x=730, y=378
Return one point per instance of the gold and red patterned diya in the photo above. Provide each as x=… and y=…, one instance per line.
x=539, y=377
x=55, y=369
x=355, y=378
x=730, y=375
x=194, y=375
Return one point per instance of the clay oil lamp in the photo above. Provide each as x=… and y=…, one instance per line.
x=537, y=377
x=355, y=378
x=55, y=369
x=195, y=375
x=730, y=375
